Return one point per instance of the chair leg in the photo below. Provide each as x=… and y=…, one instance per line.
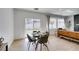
x=36, y=46
x=46, y=46
x=40, y=47
x=29, y=45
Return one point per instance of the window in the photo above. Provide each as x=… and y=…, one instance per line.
x=56, y=23
x=52, y=24
x=61, y=23
x=31, y=24
x=36, y=23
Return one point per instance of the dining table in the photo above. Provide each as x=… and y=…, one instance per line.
x=35, y=36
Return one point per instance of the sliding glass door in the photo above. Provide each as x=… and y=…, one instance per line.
x=55, y=23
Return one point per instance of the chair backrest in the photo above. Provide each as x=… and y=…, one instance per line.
x=29, y=38
x=43, y=39
x=38, y=31
x=47, y=33
x=34, y=31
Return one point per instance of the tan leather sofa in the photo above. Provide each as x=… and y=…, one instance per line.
x=68, y=34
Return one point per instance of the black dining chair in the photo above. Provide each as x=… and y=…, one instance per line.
x=38, y=31
x=31, y=40
x=47, y=33
x=42, y=40
x=34, y=31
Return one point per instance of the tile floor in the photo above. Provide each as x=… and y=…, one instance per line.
x=54, y=44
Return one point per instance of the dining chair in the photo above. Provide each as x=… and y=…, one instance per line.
x=42, y=40
x=47, y=33
x=34, y=31
x=31, y=40
x=38, y=32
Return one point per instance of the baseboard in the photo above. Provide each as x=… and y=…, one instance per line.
x=10, y=43
x=19, y=39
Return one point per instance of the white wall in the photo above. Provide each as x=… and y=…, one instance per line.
x=71, y=19
x=6, y=24
x=19, y=21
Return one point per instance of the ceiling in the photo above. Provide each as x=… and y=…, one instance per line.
x=56, y=11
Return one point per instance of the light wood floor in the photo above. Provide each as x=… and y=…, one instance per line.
x=54, y=44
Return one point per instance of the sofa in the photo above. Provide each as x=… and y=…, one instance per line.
x=74, y=36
